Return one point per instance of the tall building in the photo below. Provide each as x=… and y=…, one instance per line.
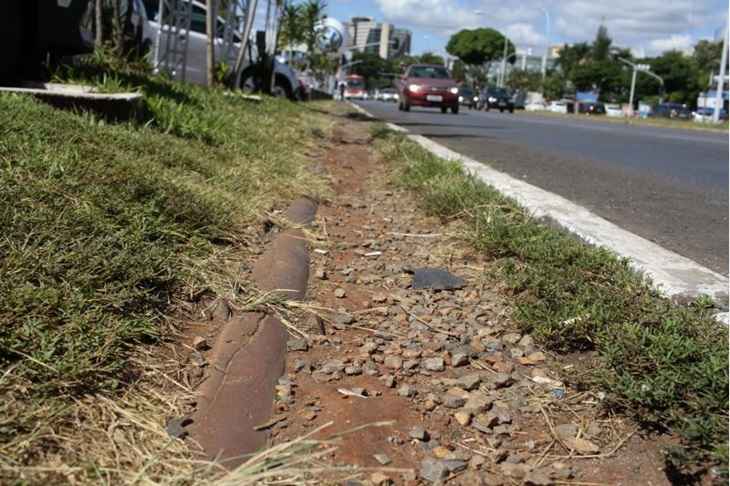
x=379, y=38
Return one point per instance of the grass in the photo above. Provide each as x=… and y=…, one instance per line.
x=651, y=122
x=662, y=363
x=106, y=229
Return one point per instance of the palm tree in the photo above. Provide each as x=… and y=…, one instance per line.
x=292, y=27
x=312, y=15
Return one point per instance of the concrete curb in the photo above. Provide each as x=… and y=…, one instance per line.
x=673, y=275
x=249, y=354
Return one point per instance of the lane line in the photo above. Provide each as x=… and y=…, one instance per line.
x=671, y=274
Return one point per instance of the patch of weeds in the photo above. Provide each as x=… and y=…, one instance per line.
x=665, y=364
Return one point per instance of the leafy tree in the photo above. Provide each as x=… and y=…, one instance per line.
x=479, y=47
x=458, y=71
x=707, y=56
x=602, y=45
x=291, y=29
x=431, y=58
x=376, y=70
x=312, y=13
x=680, y=76
x=554, y=86
x=524, y=80
x=571, y=56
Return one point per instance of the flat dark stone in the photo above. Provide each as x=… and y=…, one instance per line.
x=436, y=279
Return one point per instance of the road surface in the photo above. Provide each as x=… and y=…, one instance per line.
x=669, y=186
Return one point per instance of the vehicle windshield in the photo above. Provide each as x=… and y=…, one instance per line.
x=388, y=91
x=432, y=72
x=355, y=83
x=497, y=92
x=464, y=91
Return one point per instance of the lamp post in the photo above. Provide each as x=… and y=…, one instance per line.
x=547, y=42
x=721, y=79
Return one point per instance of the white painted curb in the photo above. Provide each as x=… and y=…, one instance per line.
x=672, y=274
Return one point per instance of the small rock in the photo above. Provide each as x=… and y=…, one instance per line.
x=434, y=364
x=299, y=365
x=533, y=358
x=526, y=341
x=393, y=362
x=566, y=431
x=353, y=370
x=379, y=298
x=484, y=422
x=297, y=345
x=538, y=478
x=380, y=479
x=463, y=418
x=459, y=357
x=501, y=380
x=389, y=381
x=418, y=433
x=433, y=470
x=469, y=382
x=411, y=364
x=382, y=459
x=515, y=471
x=478, y=403
x=321, y=274
x=583, y=446
x=344, y=319
x=200, y=343
x=511, y=338
x=406, y=391
x=333, y=366
x=453, y=401
x=340, y=293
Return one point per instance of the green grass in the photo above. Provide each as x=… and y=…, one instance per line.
x=662, y=363
x=104, y=226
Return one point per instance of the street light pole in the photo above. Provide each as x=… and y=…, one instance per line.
x=547, y=42
x=721, y=79
x=644, y=68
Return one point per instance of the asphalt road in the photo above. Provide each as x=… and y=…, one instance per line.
x=667, y=185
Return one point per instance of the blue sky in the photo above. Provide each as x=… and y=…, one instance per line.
x=646, y=26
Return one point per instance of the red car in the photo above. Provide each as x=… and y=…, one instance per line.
x=430, y=86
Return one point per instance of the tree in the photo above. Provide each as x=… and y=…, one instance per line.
x=602, y=45
x=99, y=22
x=553, y=86
x=431, y=58
x=371, y=67
x=479, y=46
x=291, y=29
x=524, y=80
x=459, y=71
x=311, y=15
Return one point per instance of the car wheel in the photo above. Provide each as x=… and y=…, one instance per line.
x=511, y=110
x=487, y=108
x=455, y=109
x=444, y=109
x=406, y=106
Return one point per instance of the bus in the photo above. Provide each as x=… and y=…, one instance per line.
x=355, y=88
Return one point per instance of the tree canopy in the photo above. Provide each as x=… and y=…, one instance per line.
x=479, y=46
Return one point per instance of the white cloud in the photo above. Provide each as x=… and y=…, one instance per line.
x=651, y=25
x=673, y=42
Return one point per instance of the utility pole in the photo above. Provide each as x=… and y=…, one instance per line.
x=210, y=30
x=644, y=68
x=504, y=63
x=721, y=79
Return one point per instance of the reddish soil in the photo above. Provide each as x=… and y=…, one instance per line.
x=368, y=235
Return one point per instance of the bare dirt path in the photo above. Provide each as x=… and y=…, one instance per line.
x=469, y=399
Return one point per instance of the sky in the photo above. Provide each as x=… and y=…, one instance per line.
x=648, y=27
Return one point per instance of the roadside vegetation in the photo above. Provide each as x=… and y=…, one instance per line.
x=663, y=364
x=107, y=231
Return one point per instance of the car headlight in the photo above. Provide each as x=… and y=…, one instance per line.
x=461, y=99
x=492, y=99
x=476, y=98
x=414, y=88
x=454, y=90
